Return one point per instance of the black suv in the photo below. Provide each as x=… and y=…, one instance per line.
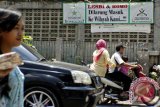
x=57, y=84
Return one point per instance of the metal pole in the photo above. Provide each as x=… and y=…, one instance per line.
x=157, y=25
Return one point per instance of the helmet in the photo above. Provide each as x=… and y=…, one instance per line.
x=154, y=75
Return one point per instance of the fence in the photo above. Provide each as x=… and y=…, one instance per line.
x=75, y=51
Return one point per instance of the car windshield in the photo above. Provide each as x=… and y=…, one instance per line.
x=28, y=53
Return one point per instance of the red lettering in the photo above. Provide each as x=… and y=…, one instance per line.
x=95, y=6
x=119, y=6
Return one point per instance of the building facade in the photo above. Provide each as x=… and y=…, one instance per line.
x=44, y=22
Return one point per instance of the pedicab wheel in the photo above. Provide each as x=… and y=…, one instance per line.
x=155, y=100
x=151, y=96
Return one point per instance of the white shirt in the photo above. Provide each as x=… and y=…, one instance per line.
x=116, y=56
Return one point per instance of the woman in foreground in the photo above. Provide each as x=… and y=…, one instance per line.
x=11, y=80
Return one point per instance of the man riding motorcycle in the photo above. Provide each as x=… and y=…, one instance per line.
x=101, y=59
x=114, y=73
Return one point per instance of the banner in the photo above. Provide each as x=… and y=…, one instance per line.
x=108, y=13
x=95, y=28
x=73, y=13
x=141, y=12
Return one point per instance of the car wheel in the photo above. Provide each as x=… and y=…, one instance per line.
x=40, y=97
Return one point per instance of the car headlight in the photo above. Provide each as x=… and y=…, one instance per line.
x=81, y=77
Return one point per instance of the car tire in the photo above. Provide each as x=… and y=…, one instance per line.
x=41, y=97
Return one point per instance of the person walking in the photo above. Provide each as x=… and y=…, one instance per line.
x=11, y=80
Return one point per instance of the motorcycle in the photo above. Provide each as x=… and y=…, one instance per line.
x=114, y=94
x=114, y=89
x=154, y=72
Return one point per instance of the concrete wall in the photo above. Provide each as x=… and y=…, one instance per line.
x=79, y=33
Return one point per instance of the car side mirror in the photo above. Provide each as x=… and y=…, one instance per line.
x=33, y=47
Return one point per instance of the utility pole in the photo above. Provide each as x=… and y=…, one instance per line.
x=157, y=25
x=80, y=38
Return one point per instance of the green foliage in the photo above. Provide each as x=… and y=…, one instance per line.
x=78, y=60
x=28, y=40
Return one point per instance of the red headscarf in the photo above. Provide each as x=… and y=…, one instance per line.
x=100, y=45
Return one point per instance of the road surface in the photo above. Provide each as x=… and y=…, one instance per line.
x=127, y=104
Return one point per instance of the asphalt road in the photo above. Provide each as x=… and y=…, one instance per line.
x=126, y=104
x=120, y=106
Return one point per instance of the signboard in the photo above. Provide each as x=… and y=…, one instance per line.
x=73, y=13
x=141, y=12
x=95, y=28
x=109, y=13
